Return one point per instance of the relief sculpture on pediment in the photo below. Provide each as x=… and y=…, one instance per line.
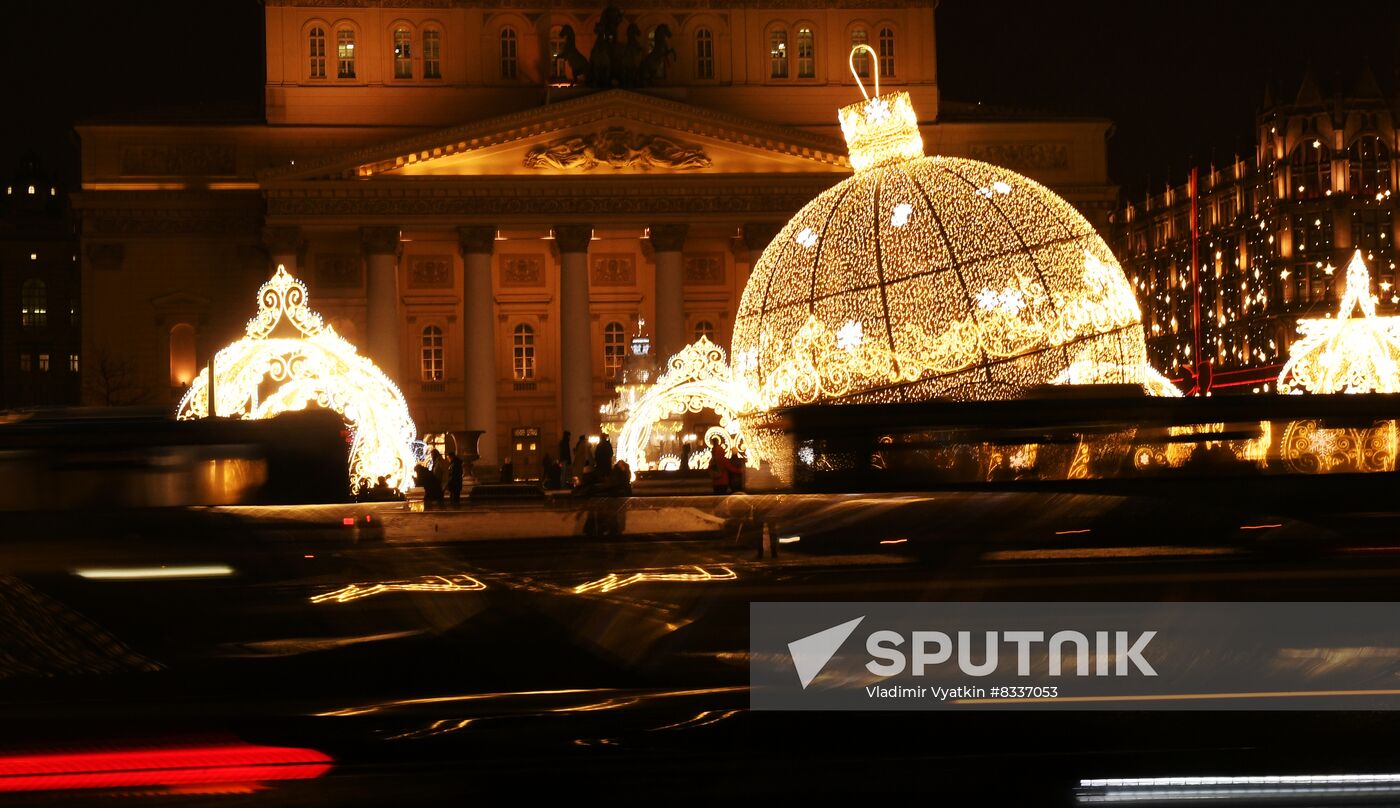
x=618, y=149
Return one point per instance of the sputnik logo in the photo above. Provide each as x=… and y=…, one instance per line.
x=811, y=653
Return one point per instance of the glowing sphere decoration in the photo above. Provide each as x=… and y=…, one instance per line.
x=927, y=277
x=290, y=359
x=1346, y=354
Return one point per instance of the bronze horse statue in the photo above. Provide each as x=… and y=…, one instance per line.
x=569, y=52
x=654, y=64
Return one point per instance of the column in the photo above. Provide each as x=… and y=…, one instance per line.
x=577, y=413
x=667, y=241
x=283, y=246
x=383, y=327
x=479, y=337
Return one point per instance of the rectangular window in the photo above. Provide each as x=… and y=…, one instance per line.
x=806, y=54
x=403, y=54
x=704, y=54
x=43, y=362
x=777, y=54
x=25, y=363
x=886, y=53
x=862, y=59
x=432, y=54
x=345, y=54
x=318, y=53
x=1371, y=229
x=73, y=364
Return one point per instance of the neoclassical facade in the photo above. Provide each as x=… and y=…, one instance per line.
x=488, y=197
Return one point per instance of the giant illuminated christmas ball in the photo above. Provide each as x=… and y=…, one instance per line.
x=933, y=277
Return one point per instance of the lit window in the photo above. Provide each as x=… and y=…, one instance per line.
x=403, y=53
x=806, y=54
x=777, y=53
x=1312, y=169
x=509, y=55
x=614, y=349
x=31, y=190
x=317, y=43
x=345, y=53
x=1369, y=159
x=25, y=363
x=524, y=353
x=886, y=47
x=43, y=363
x=72, y=363
x=34, y=304
x=706, y=329
x=559, y=66
x=704, y=54
x=182, y=367
x=432, y=354
x=862, y=59
x=432, y=54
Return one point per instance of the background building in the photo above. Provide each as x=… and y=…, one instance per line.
x=39, y=293
x=488, y=229
x=1272, y=237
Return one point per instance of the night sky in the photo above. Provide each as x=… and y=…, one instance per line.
x=1181, y=80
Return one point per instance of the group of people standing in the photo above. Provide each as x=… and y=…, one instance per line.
x=440, y=479
x=588, y=469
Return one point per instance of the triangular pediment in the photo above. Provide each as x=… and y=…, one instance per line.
x=608, y=133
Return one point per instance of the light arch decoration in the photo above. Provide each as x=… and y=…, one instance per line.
x=696, y=378
x=288, y=359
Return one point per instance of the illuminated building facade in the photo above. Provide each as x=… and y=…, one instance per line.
x=486, y=208
x=40, y=357
x=1272, y=238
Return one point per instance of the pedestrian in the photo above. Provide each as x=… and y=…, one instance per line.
x=564, y=455
x=603, y=457
x=424, y=478
x=454, y=478
x=439, y=467
x=736, y=470
x=507, y=470
x=685, y=456
x=551, y=473
x=582, y=462
x=719, y=468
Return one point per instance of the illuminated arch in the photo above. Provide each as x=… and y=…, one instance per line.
x=697, y=378
x=290, y=358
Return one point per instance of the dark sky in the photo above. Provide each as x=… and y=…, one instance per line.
x=1181, y=80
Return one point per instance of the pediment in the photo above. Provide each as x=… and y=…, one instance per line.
x=609, y=133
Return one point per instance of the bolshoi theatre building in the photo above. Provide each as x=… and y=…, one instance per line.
x=488, y=198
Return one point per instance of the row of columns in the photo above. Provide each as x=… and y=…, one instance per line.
x=476, y=244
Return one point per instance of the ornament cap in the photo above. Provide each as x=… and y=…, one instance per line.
x=880, y=129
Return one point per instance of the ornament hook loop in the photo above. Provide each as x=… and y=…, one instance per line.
x=874, y=64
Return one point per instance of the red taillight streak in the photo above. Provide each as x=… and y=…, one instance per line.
x=160, y=767
x=348, y=521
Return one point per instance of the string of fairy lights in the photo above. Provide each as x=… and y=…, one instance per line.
x=1271, y=234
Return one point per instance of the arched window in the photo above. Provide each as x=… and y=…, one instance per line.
x=777, y=53
x=403, y=53
x=510, y=61
x=614, y=349
x=806, y=54
x=1370, y=166
x=1312, y=169
x=704, y=54
x=558, y=65
x=432, y=54
x=886, y=49
x=182, y=366
x=345, y=53
x=316, y=41
x=34, y=304
x=432, y=354
x=859, y=36
x=524, y=353
x=706, y=329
